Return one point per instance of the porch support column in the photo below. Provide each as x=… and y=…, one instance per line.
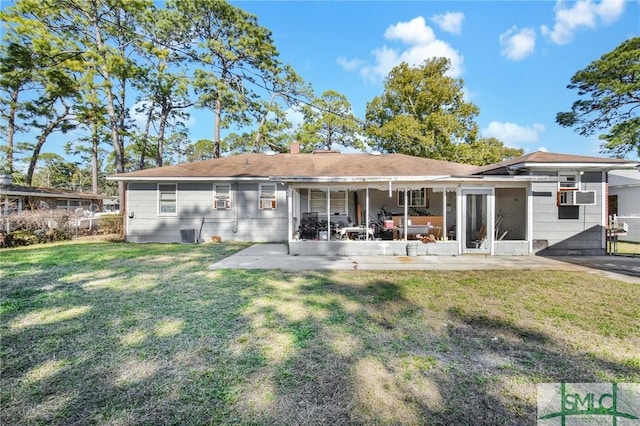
x=366, y=213
x=289, y=213
x=529, y=232
x=328, y=213
x=443, y=234
x=406, y=213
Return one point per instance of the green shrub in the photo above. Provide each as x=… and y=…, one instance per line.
x=111, y=224
x=57, y=234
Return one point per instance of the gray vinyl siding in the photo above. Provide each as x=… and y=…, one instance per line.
x=555, y=236
x=244, y=221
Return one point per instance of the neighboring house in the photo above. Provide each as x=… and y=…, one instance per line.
x=16, y=198
x=624, y=192
x=376, y=204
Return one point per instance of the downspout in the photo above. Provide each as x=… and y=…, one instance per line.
x=200, y=230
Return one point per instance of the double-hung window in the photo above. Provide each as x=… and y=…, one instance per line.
x=222, y=197
x=416, y=198
x=167, y=199
x=337, y=202
x=268, y=198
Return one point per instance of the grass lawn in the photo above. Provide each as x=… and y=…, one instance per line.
x=122, y=334
x=628, y=247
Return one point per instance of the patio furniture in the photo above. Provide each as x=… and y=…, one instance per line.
x=480, y=237
x=360, y=231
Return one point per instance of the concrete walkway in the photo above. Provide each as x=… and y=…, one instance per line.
x=274, y=256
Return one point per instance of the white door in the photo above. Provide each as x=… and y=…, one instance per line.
x=477, y=226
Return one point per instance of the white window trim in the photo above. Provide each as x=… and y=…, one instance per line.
x=160, y=213
x=327, y=193
x=273, y=200
x=568, y=186
x=409, y=192
x=215, y=197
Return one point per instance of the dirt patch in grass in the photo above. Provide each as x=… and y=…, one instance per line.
x=116, y=333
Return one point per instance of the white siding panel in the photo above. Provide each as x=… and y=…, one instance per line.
x=243, y=222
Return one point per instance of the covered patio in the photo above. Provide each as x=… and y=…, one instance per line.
x=406, y=218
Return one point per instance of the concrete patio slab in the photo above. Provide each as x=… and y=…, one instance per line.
x=275, y=256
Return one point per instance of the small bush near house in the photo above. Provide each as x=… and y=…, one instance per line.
x=111, y=224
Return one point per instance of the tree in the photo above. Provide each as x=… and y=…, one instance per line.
x=422, y=112
x=16, y=71
x=273, y=127
x=611, y=87
x=201, y=150
x=92, y=116
x=105, y=33
x=328, y=121
x=164, y=85
x=485, y=151
x=234, y=52
x=47, y=66
x=56, y=172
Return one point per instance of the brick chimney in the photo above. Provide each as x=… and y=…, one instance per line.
x=294, y=148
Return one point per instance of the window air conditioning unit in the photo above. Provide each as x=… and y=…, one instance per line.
x=576, y=198
x=267, y=204
x=567, y=182
x=222, y=204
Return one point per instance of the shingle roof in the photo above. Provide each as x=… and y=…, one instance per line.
x=336, y=165
x=540, y=157
x=306, y=166
x=34, y=191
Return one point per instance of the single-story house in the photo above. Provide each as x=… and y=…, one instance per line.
x=16, y=198
x=333, y=203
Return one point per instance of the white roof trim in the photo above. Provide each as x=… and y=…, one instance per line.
x=573, y=166
x=355, y=179
x=184, y=178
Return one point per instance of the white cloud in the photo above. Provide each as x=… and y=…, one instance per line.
x=349, y=65
x=518, y=44
x=413, y=32
x=583, y=13
x=610, y=10
x=450, y=22
x=513, y=134
x=421, y=44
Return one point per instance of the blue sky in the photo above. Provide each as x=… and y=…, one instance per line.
x=515, y=57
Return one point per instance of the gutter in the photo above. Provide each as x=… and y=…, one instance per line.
x=354, y=179
x=574, y=166
x=185, y=179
